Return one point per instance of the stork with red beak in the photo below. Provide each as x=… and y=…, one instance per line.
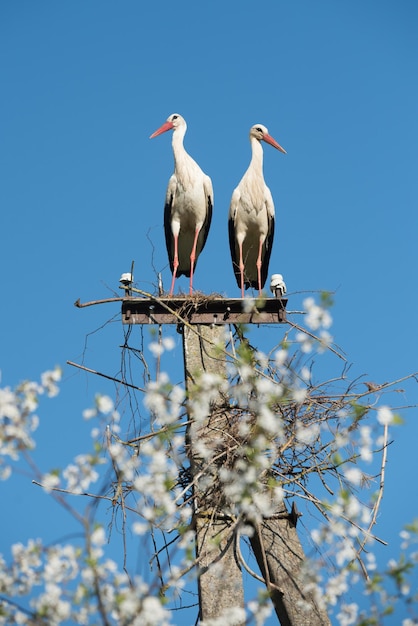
x=251, y=218
x=188, y=206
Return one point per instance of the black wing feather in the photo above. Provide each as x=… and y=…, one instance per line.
x=267, y=247
x=233, y=249
x=169, y=240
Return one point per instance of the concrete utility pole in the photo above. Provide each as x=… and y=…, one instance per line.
x=280, y=556
x=275, y=542
x=220, y=581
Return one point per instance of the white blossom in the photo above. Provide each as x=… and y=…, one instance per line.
x=366, y=442
x=280, y=357
x=316, y=316
x=325, y=340
x=52, y=605
x=81, y=474
x=152, y=613
x=299, y=394
x=49, y=381
x=305, y=374
x=348, y=614
x=140, y=529
x=305, y=342
x=248, y=305
x=406, y=537
x=98, y=536
x=307, y=434
x=354, y=475
x=156, y=349
x=261, y=611
x=9, y=404
x=337, y=585
x=104, y=404
x=233, y=616
x=89, y=413
x=168, y=343
x=50, y=481
x=384, y=415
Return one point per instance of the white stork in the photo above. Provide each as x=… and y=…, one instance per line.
x=251, y=218
x=188, y=205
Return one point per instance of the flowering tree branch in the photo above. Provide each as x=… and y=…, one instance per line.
x=289, y=439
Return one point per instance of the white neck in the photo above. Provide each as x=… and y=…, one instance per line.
x=184, y=165
x=177, y=143
x=257, y=155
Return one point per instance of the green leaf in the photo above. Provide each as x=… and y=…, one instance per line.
x=327, y=299
x=359, y=411
x=397, y=419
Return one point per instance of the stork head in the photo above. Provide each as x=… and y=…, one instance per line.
x=173, y=121
x=260, y=132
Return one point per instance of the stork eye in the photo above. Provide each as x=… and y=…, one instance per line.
x=258, y=129
x=175, y=117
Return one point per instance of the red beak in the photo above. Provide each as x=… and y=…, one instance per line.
x=274, y=143
x=166, y=126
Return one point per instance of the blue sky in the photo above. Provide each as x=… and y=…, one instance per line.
x=82, y=188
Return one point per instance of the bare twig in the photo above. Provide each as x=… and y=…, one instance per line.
x=115, y=380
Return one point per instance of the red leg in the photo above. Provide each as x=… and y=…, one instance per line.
x=259, y=266
x=241, y=269
x=193, y=258
x=175, y=264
